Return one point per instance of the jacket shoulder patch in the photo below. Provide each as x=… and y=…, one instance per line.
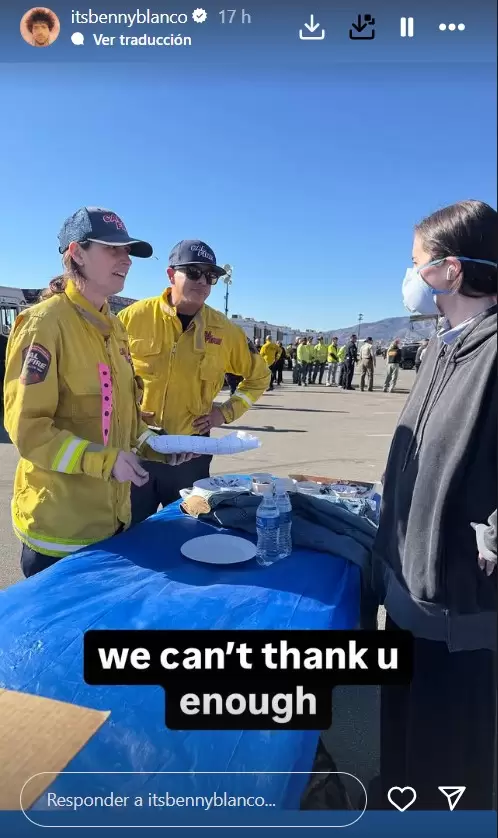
x=35, y=364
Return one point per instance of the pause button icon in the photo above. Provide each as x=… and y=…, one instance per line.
x=407, y=27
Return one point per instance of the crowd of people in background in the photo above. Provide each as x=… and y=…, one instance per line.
x=330, y=364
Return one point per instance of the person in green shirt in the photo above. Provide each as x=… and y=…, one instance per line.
x=311, y=360
x=295, y=368
x=393, y=363
x=320, y=360
x=341, y=358
x=333, y=359
x=304, y=356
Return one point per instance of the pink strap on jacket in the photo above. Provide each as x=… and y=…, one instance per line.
x=106, y=394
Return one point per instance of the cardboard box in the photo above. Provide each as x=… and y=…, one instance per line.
x=39, y=734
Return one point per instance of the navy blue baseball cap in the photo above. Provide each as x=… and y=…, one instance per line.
x=94, y=224
x=193, y=252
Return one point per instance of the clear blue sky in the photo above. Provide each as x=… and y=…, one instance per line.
x=308, y=185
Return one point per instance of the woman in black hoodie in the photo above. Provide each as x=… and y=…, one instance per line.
x=434, y=563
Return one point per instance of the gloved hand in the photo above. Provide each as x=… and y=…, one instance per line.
x=127, y=468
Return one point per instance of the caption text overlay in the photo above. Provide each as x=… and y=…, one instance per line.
x=253, y=680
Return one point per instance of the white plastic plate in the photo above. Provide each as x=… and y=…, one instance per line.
x=307, y=487
x=219, y=549
x=225, y=482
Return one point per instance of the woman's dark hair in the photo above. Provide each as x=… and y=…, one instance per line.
x=40, y=16
x=468, y=228
x=71, y=271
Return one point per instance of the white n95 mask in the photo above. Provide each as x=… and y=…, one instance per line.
x=419, y=296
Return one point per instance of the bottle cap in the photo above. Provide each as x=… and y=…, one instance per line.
x=283, y=484
x=263, y=489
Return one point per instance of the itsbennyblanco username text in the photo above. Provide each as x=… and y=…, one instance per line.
x=129, y=19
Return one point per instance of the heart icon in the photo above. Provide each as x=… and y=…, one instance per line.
x=406, y=797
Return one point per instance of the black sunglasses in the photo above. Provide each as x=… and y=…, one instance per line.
x=194, y=273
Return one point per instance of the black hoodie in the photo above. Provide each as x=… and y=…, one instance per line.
x=441, y=478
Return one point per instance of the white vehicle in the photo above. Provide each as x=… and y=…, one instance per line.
x=12, y=302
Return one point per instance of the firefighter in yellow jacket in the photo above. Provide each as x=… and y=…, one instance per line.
x=304, y=359
x=320, y=359
x=182, y=349
x=72, y=402
x=271, y=352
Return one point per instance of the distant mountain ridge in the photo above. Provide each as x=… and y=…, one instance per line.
x=381, y=331
x=388, y=329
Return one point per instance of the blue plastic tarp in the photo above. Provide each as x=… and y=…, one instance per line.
x=139, y=580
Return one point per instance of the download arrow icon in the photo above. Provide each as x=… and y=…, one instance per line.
x=359, y=26
x=312, y=26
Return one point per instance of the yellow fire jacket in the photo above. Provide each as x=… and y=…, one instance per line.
x=321, y=352
x=333, y=354
x=71, y=404
x=304, y=353
x=270, y=352
x=183, y=371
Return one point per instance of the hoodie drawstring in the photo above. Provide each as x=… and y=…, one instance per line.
x=442, y=384
x=422, y=407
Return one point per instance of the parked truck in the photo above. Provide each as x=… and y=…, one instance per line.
x=12, y=302
x=408, y=355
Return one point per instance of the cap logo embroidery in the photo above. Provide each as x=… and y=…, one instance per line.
x=202, y=252
x=210, y=338
x=113, y=219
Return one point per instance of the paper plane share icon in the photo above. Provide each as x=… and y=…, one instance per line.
x=452, y=794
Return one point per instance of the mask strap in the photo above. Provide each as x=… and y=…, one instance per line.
x=480, y=261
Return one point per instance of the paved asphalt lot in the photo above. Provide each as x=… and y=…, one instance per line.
x=316, y=431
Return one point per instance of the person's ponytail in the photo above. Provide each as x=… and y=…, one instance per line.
x=59, y=283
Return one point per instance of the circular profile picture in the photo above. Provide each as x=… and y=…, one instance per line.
x=40, y=27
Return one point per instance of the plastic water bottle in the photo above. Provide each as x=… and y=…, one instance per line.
x=284, y=507
x=267, y=528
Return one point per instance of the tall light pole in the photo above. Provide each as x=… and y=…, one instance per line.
x=360, y=318
x=227, y=279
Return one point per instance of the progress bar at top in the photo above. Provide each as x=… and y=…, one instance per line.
x=407, y=27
